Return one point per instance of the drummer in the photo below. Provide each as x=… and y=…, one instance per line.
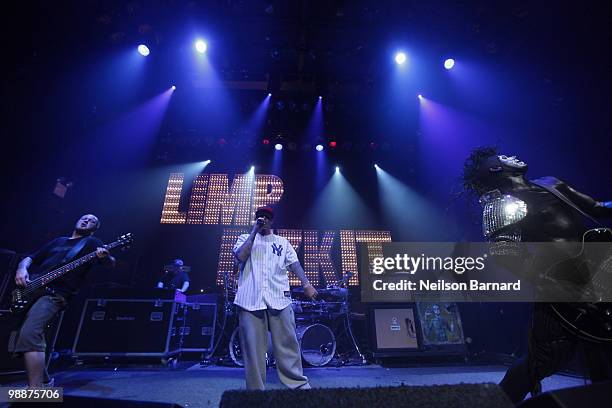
x=175, y=276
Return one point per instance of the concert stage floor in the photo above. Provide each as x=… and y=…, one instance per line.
x=194, y=386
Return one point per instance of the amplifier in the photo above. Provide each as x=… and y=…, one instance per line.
x=8, y=264
x=128, y=327
x=416, y=329
x=199, y=329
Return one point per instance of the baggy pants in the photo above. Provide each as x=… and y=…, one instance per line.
x=254, y=328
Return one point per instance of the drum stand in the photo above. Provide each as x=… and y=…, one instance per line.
x=348, y=328
x=348, y=331
x=228, y=312
x=347, y=317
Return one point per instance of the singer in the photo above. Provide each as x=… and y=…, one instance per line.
x=264, y=303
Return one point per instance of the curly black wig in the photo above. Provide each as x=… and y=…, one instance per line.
x=473, y=180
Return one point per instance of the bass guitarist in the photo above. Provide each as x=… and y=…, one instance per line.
x=29, y=340
x=543, y=210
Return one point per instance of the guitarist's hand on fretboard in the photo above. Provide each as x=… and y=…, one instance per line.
x=102, y=252
x=105, y=257
x=22, y=277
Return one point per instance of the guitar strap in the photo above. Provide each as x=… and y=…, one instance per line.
x=75, y=250
x=563, y=198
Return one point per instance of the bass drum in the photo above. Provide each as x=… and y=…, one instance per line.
x=317, y=342
x=235, y=349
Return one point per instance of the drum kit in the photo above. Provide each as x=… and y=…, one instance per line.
x=316, y=326
x=314, y=320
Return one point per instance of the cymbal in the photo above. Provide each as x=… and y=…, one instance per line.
x=300, y=289
x=334, y=291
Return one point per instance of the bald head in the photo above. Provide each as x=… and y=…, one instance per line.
x=87, y=224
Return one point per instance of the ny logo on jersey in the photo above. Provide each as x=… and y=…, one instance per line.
x=277, y=249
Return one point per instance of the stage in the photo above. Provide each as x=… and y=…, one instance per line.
x=193, y=386
x=418, y=185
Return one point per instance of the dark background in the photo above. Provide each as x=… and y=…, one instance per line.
x=531, y=77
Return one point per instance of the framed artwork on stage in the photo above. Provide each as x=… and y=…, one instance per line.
x=440, y=324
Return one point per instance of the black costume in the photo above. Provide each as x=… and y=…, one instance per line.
x=551, y=218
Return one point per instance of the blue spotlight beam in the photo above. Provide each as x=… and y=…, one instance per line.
x=277, y=162
x=128, y=139
x=315, y=130
x=411, y=215
x=258, y=118
x=339, y=205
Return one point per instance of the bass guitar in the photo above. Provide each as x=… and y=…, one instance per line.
x=23, y=298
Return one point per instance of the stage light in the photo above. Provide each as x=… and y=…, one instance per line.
x=252, y=168
x=269, y=94
x=420, y=96
x=320, y=97
x=278, y=146
x=173, y=87
x=319, y=148
x=337, y=169
x=143, y=50
x=376, y=166
x=266, y=141
x=207, y=162
x=201, y=46
x=333, y=144
x=400, y=58
x=449, y=63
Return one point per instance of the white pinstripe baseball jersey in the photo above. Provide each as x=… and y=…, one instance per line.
x=263, y=277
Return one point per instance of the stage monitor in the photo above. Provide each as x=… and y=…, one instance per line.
x=394, y=329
